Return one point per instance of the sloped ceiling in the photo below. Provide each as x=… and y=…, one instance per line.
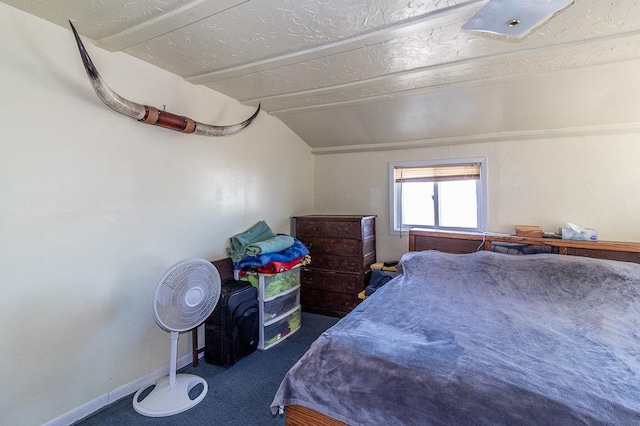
x=344, y=73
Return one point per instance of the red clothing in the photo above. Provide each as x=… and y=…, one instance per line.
x=272, y=267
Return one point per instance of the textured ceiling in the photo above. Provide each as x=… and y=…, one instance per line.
x=344, y=72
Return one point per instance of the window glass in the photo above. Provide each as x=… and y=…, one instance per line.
x=458, y=204
x=417, y=204
x=438, y=195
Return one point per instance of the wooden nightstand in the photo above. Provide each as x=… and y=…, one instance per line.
x=391, y=270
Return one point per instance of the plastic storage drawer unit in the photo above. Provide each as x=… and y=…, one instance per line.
x=281, y=304
x=276, y=330
x=273, y=285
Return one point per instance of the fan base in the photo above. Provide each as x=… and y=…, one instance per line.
x=166, y=400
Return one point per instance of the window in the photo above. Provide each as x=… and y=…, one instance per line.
x=447, y=195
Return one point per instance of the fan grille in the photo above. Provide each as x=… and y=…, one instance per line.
x=186, y=295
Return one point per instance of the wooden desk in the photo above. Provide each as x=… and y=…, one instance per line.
x=461, y=242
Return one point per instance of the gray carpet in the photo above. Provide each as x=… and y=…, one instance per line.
x=238, y=395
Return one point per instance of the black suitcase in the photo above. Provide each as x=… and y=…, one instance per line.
x=231, y=331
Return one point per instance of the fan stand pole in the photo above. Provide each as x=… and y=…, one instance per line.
x=174, y=358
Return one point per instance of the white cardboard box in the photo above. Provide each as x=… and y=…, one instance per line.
x=585, y=234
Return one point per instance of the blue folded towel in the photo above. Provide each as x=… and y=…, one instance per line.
x=272, y=245
x=296, y=251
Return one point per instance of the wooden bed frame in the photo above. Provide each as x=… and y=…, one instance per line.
x=297, y=415
x=457, y=242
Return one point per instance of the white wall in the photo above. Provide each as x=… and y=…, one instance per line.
x=95, y=207
x=587, y=174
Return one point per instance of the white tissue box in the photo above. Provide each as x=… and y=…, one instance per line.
x=584, y=234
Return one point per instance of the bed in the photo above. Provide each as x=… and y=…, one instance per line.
x=479, y=338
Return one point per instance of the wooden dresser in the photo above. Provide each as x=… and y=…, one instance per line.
x=342, y=250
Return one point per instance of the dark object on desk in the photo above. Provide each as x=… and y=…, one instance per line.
x=390, y=264
x=232, y=330
x=516, y=248
x=378, y=279
x=529, y=231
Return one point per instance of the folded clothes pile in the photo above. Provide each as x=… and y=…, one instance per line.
x=260, y=250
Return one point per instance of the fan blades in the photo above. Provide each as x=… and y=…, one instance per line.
x=186, y=295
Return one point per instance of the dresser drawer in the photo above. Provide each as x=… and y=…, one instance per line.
x=310, y=228
x=328, y=303
x=329, y=262
x=337, y=263
x=331, y=281
x=344, y=230
x=333, y=228
x=340, y=247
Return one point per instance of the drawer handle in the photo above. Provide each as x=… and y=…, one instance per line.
x=350, y=266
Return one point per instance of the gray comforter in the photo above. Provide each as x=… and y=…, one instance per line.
x=483, y=338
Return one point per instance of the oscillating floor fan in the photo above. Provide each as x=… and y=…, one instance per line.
x=185, y=296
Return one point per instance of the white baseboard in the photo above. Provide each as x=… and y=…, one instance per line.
x=94, y=405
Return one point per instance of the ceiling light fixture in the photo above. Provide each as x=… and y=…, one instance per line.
x=514, y=18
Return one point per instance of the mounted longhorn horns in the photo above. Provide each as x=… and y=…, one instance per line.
x=148, y=114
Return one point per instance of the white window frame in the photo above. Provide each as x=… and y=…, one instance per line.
x=394, y=198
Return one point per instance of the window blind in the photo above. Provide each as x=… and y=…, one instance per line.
x=437, y=173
